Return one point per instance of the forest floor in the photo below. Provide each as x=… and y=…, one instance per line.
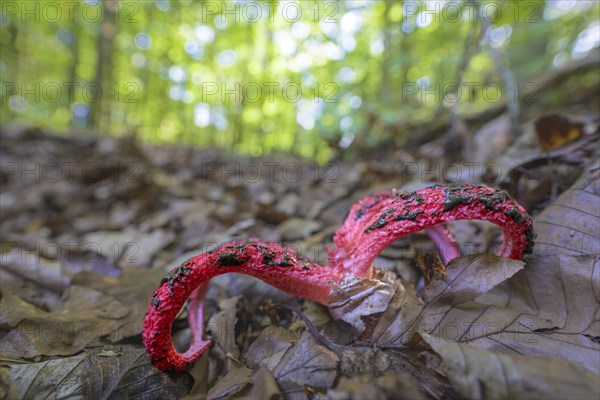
x=90, y=224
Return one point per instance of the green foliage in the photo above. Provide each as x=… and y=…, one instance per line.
x=297, y=76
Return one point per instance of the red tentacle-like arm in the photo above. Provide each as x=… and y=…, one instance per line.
x=280, y=267
x=370, y=227
x=399, y=215
x=347, y=237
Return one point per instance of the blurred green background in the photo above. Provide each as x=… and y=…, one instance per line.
x=304, y=77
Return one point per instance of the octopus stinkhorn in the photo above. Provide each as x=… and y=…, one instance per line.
x=372, y=224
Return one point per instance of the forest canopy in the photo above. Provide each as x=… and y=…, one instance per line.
x=304, y=77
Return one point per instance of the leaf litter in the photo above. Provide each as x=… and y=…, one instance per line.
x=482, y=327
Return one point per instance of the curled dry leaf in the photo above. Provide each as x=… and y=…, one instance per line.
x=482, y=374
x=358, y=300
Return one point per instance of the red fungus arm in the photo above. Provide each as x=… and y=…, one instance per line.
x=270, y=262
x=359, y=218
x=359, y=241
x=408, y=213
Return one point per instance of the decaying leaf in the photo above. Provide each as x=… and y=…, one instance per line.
x=551, y=308
x=467, y=279
x=86, y=316
x=269, y=347
x=357, y=301
x=222, y=329
x=570, y=225
x=230, y=384
x=263, y=386
x=306, y=364
x=387, y=386
x=482, y=374
x=127, y=374
x=93, y=307
x=555, y=130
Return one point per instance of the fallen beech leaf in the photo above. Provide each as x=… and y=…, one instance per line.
x=387, y=386
x=222, y=328
x=465, y=279
x=551, y=308
x=270, y=346
x=30, y=331
x=58, y=377
x=555, y=130
x=482, y=374
x=404, y=310
x=130, y=375
x=469, y=277
x=570, y=225
x=306, y=364
x=263, y=386
x=92, y=376
x=128, y=288
x=93, y=306
x=357, y=300
x=230, y=384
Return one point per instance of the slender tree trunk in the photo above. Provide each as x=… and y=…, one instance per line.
x=385, y=84
x=510, y=87
x=101, y=102
x=72, y=74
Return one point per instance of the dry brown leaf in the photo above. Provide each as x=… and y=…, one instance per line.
x=222, y=329
x=270, y=346
x=58, y=378
x=230, y=384
x=571, y=224
x=130, y=247
x=263, y=386
x=550, y=309
x=306, y=364
x=482, y=374
x=133, y=289
x=356, y=301
x=554, y=130
x=387, y=386
x=94, y=306
x=125, y=374
x=466, y=279
x=30, y=331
